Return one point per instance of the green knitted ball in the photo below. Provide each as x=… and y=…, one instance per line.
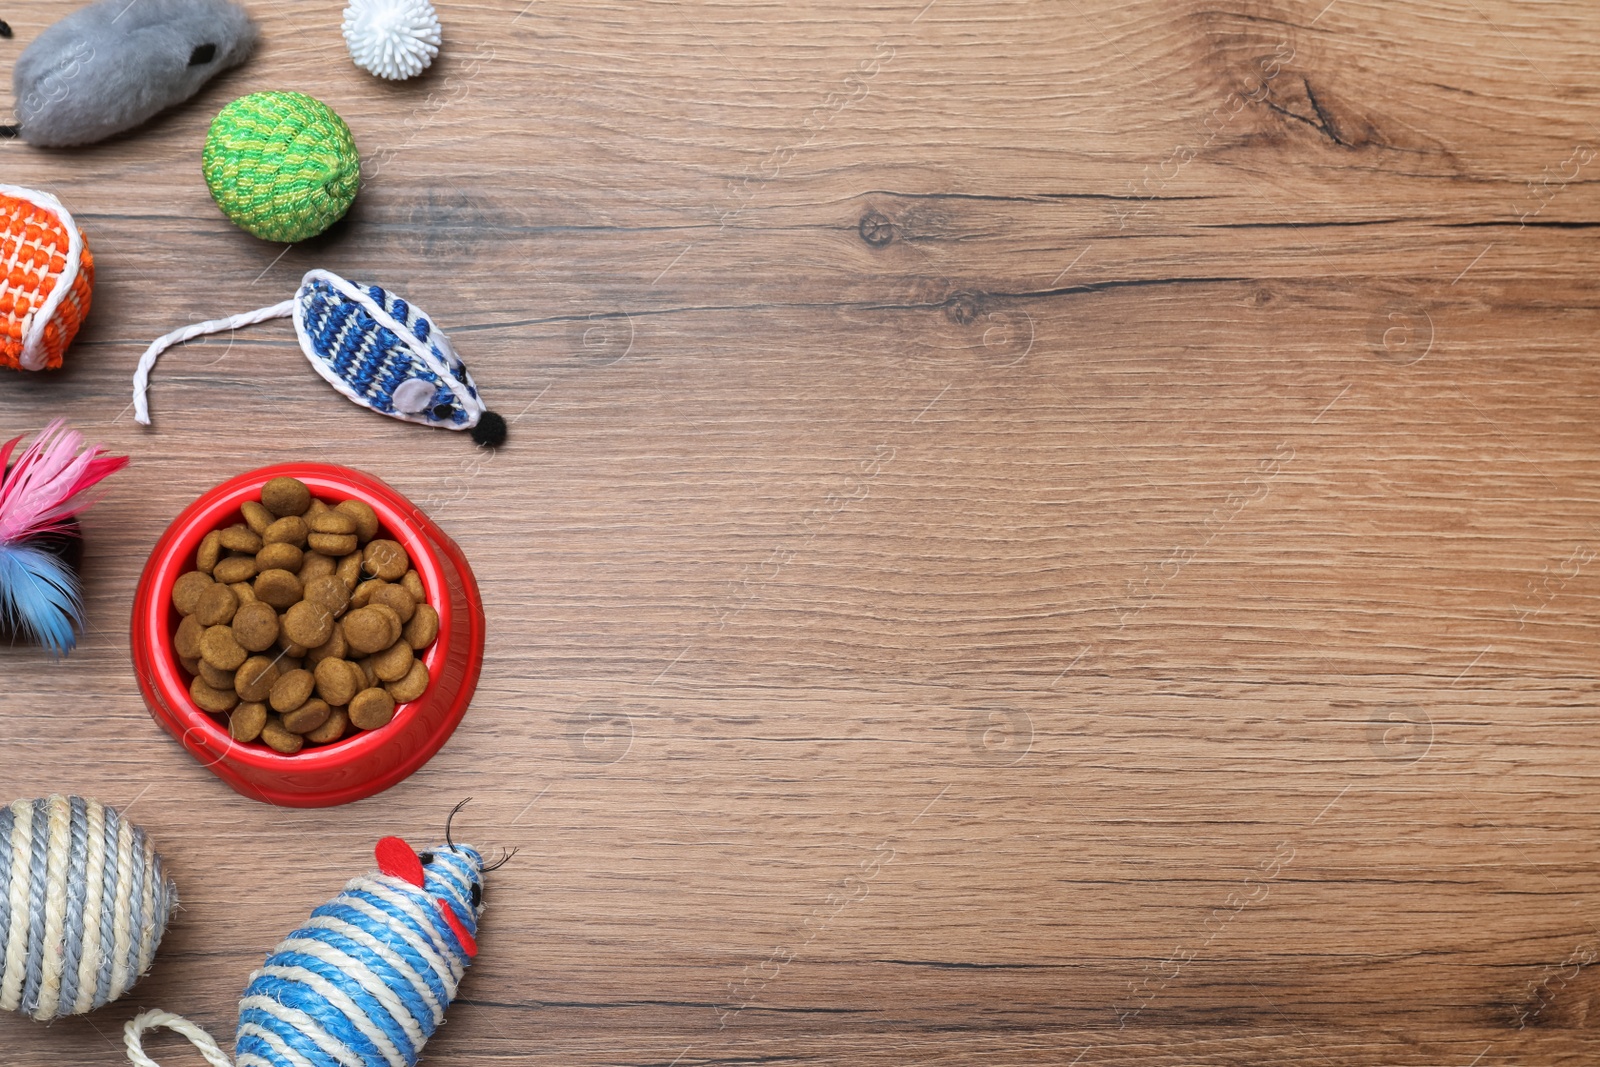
x=282, y=166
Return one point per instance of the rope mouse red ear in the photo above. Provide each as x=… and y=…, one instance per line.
x=398, y=860
x=468, y=942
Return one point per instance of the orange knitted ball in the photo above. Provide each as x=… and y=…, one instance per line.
x=46, y=276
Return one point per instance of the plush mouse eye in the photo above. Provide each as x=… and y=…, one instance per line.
x=202, y=54
x=425, y=857
x=443, y=411
x=477, y=894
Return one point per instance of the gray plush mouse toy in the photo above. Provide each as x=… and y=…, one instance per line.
x=112, y=65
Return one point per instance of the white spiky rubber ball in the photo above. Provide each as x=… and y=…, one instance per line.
x=393, y=39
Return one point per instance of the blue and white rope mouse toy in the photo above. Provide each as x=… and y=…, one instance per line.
x=378, y=350
x=366, y=980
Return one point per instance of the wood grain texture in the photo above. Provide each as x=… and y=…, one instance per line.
x=1060, y=533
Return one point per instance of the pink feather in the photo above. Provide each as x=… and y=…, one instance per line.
x=50, y=481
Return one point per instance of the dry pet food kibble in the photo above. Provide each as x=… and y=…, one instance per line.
x=290, y=530
x=308, y=624
x=371, y=708
x=186, y=642
x=255, y=626
x=240, y=539
x=330, y=592
x=393, y=663
x=366, y=518
x=256, y=516
x=396, y=599
x=278, y=588
x=423, y=628
x=280, y=738
x=246, y=722
x=286, y=496
x=209, y=552
x=385, y=559
x=254, y=679
x=216, y=679
x=367, y=630
x=187, y=589
x=215, y=606
x=235, y=569
x=349, y=568
x=337, y=726
x=314, y=565
x=363, y=593
x=215, y=701
x=303, y=624
x=218, y=648
x=307, y=717
x=279, y=556
x=335, y=647
x=338, y=680
x=411, y=686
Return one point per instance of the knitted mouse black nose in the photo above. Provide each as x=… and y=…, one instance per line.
x=491, y=430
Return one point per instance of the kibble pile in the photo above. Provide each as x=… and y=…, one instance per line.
x=301, y=624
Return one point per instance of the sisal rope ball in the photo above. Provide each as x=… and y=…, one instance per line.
x=393, y=39
x=83, y=905
x=281, y=165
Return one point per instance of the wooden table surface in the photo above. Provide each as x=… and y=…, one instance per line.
x=1032, y=532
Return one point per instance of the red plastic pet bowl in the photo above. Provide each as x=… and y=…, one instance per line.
x=362, y=763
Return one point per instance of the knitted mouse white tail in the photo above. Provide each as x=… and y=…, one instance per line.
x=141, y=377
x=133, y=1032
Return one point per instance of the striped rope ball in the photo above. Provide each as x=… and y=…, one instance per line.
x=282, y=165
x=83, y=905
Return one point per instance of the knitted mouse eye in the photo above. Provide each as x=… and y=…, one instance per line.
x=477, y=894
x=442, y=411
x=202, y=54
x=425, y=857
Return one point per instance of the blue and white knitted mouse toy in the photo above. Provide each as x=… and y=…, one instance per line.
x=375, y=348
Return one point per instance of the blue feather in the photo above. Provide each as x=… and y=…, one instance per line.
x=39, y=597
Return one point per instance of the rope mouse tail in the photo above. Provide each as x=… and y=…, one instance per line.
x=147, y=362
x=132, y=1038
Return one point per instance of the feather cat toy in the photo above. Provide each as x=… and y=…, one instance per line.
x=370, y=345
x=366, y=981
x=40, y=598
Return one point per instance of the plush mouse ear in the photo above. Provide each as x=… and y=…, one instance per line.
x=398, y=860
x=414, y=395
